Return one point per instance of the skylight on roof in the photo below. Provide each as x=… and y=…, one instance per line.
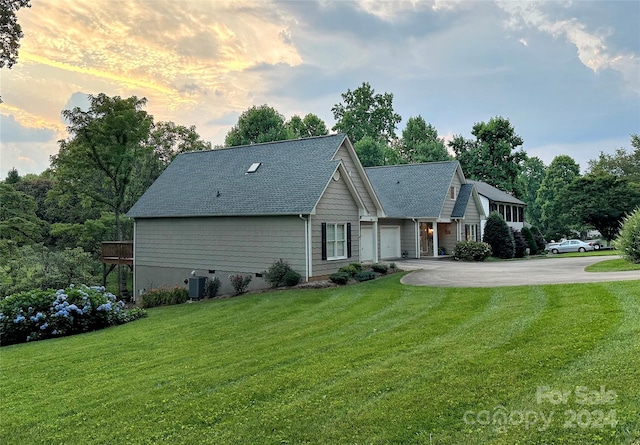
x=254, y=167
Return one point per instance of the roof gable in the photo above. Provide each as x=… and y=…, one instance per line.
x=413, y=190
x=290, y=179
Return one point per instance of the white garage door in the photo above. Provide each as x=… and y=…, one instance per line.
x=366, y=243
x=390, y=242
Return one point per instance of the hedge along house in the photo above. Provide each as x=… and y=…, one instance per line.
x=238, y=210
x=496, y=200
x=429, y=208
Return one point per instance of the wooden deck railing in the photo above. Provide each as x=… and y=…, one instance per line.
x=117, y=252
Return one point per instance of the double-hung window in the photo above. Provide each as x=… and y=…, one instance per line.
x=336, y=241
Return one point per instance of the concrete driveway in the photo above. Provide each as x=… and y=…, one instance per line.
x=445, y=273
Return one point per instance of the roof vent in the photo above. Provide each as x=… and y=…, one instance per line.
x=254, y=167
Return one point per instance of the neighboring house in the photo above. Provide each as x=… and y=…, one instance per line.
x=496, y=200
x=429, y=208
x=238, y=210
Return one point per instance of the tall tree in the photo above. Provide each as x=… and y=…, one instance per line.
x=622, y=163
x=530, y=179
x=553, y=214
x=13, y=177
x=494, y=157
x=601, y=201
x=10, y=31
x=309, y=126
x=19, y=223
x=166, y=141
x=97, y=161
x=256, y=125
x=364, y=113
x=371, y=152
x=420, y=142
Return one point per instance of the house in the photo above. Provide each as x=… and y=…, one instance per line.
x=429, y=208
x=238, y=210
x=496, y=200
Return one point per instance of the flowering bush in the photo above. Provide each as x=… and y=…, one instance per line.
x=472, y=251
x=240, y=283
x=38, y=314
x=161, y=297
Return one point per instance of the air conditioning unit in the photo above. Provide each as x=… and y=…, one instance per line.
x=197, y=287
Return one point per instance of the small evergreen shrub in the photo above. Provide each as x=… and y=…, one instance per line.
x=541, y=243
x=529, y=239
x=364, y=276
x=628, y=241
x=212, y=287
x=519, y=243
x=472, y=251
x=42, y=314
x=351, y=269
x=498, y=234
x=276, y=273
x=240, y=283
x=339, y=277
x=291, y=278
x=380, y=268
x=392, y=266
x=165, y=297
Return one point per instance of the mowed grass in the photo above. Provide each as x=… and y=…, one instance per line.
x=581, y=254
x=615, y=265
x=377, y=362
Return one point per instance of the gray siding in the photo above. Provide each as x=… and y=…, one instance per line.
x=168, y=249
x=448, y=240
x=449, y=203
x=336, y=206
x=472, y=215
x=358, y=181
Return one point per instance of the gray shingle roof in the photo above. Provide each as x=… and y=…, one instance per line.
x=290, y=180
x=413, y=190
x=460, y=207
x=494, y=194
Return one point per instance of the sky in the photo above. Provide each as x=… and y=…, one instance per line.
x=565, y=73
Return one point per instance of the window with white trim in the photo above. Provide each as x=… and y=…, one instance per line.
x=452, y=192
x=336, y=241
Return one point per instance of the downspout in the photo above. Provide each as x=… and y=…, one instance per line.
x=417, y=237
x=306, y=247
x=135, y=273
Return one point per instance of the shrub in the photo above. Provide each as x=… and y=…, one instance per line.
x=276, y=273
x=472, y=251
x=628, y=241
x=392, y=266
x=38, y=314
x=212, y=287
x=364, y=276
x=291, y=278
x=498, y=234
x=529, y=239
x=240, y=283
x=339, y=277
x=519, y=244
x=351, y=269
x=380, y=268
x=165, y=297
x=541, y=243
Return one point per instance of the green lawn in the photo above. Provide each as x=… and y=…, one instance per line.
x=376, y=362
x=616, y=265
x=579, y=254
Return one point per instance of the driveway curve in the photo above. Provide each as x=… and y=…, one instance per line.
x=556, y=270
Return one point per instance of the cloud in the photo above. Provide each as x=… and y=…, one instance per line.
x=12, y=131
x=591, y=46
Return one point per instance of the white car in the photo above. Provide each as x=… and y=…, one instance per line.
x=571, y=245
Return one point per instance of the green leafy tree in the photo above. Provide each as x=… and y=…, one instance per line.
x=554, y=218
x=629, y=240
x=498, y=235
x=364, y=113
x=530, y=240
x=97, y=161
x=309, y=126
x=13, y=177
x=601, y=201
x=494, y=156
x=623, y=163
x=256, y=125
x=530, y=179
x=420, y=142
x=370, y=151
x=10, y=31
x=19, y=223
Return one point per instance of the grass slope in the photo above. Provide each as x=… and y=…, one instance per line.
x=377, y=362
x=617, y=265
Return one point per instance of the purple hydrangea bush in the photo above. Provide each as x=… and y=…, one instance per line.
x=38, y=314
